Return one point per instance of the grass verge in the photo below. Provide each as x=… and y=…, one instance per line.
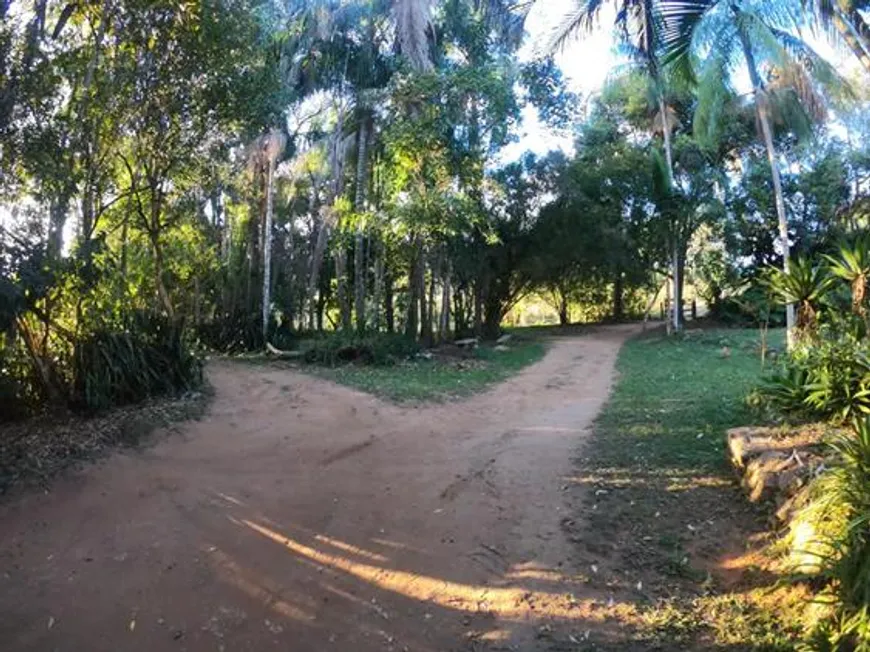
x=439, y=378
x=672, y=535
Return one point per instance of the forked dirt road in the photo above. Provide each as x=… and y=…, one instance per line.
x=303, y=516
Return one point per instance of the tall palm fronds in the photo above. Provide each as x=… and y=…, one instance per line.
x=636, y=21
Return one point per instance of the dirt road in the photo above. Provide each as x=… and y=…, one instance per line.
x=300, y=515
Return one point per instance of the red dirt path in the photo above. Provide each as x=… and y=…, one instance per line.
x=300, y=515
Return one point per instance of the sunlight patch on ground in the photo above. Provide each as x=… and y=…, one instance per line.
x=513, y=603
x=238, y=577
x=341, y=545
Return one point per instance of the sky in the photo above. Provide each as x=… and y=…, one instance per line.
x=586, y=61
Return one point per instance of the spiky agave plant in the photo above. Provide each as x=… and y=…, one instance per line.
x=804, y=285
x=852, y=264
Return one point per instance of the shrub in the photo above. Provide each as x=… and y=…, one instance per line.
x=828, y=378
x=15, y=399
x=839, y=514
x=232, y=332
x=750, y=308
x=380, y=349
x=150, y=358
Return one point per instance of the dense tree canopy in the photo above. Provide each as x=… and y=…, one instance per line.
x=220, y=174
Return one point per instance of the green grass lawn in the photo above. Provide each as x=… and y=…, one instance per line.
x=437, y=379
x=665, y=505
x=677, y=396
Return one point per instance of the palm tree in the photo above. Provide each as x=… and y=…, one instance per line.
x=753, y=34
x=263, y=157
x=639, y=24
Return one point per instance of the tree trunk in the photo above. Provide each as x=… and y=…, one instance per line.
x=389, y=312
x=162, y=292
x=379, y=285
x=412, y=323
x=323, y=295
x=492, y=314
x=444, y=320
x=563, y=309
x=478, y=308
x=678, y=284
x=425, y=305
x=618, y=296
x=761, y=109
x=359, y=260
x=669, y=323
x=326, y=216
x=57, y=220
x=342, y=289
x=669, y=159
x=359, y=280
x=428, y=333
x=460, y=317
x=267, y=249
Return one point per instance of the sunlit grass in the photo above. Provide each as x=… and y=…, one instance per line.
x=677, y=396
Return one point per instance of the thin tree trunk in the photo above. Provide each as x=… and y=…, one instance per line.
x=359, y=289
x=460, y=319
x=389, y=311
x=267, y=249
x=761, y=109
x=414, y=281
x=669, y=159
x=669, y=323
x=379, y=285
x=344, y=308
x=678, y=284
x=478, y=308
x=564, y=318
x=618, y=296
x=428, y=330
x=318, y=254
x=162, y=292
x=57, y=219
x=444, y=320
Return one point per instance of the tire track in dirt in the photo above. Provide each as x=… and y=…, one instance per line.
x=300, y=515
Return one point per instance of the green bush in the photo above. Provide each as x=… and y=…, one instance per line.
x=827, y=378
x=15, y=399
x=150, y=358
x=839, y=512
x=750, y=308
x=378, y=349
